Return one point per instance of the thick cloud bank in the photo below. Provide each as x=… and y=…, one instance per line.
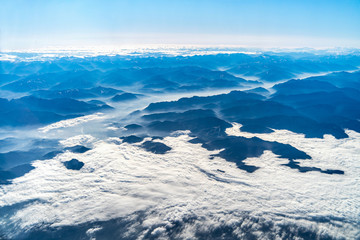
x=188, y=190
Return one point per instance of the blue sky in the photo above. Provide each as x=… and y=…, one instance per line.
x=317, y=23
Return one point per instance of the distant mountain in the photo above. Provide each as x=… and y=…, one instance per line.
x=31, y=110
x=55, y=80
x=33, y=82
x=77, y=93
x=341, y=79
x=260, y=115
x=57, y=105
x=298, y=124
x=210, y=131
x=256, y=109
x=258, y=90
x=196, y=102
x=272, y=68
x=7, y=78
x=320, y=100
x=303, y=86
x=68, y=93
x=79, y=79
x=124, y=97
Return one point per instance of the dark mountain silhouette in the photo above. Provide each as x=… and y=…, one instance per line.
x=74, y=164
x=124, y=97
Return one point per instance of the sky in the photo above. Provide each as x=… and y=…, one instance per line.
x=35, y=24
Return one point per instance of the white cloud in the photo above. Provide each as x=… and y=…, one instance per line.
x=327, y=152
x=72, y=122
x=77, y=140
x=91, y=232
x=119, y=180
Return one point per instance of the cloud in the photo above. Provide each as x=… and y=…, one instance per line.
x=72, y=122
x=120, y=181
x=326, y=153
x=78, y=140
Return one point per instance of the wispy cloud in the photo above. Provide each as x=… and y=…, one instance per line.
x=72, y=122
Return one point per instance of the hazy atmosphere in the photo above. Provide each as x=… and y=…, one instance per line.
x=257, y=23
x=179, y=120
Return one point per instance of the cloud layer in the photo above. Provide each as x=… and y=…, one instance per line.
x=120, y=180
